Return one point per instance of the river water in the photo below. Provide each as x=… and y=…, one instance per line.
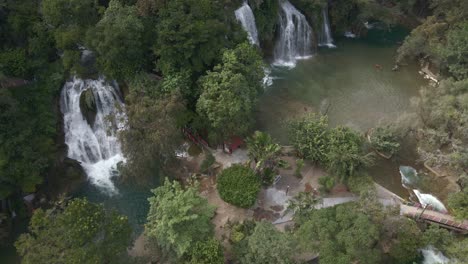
x=345, y=83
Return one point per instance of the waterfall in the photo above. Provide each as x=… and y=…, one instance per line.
x=295, y=36
x=433, y=256
x=429, y=199
x=246, y=17
x=409, y=176
x=96, y=147
x=325, y=36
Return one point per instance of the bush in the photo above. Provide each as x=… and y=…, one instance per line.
x=238, y=185
x=14, y=62
x=360, y=183
x=207, y=162
x=309, y=136
x=207, y=252
x=345, y=154
x=385, y=140
x=326, y=183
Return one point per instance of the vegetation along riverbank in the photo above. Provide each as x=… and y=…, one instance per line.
x=229, y=131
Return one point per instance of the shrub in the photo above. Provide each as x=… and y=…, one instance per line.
x=299, y=166
x=360, y=183
x=309, y=136
x=326, y=183
x=385, y=140
x=238, y=185
x=345, y=154
x=207, y=252
x=207, y=162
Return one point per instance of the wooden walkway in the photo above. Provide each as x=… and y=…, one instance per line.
x=430, y=216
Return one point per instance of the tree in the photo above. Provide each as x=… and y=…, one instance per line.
x=229, y=93
x=70, y=20
x=455, y=51
x=117, y=39
x=153, y=130
x=268, y=245
x=207, y=252
x=82, y=232
x=263, y=151
x=28, y=130
x=190, y=35
x=178, y=218
x=407, y=237
x=303, y=203
x=458, y=203
x=340, y=234
x=309, y=136
x=238, y=185
x=385, y=140
x=345, y=155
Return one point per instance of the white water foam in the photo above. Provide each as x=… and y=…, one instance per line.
x=295, y=38
x=246, y=17
x=96, y=147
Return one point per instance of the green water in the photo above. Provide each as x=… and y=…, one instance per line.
x=131, y=201
x=345, y=83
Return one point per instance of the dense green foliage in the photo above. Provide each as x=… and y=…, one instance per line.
x=345, y=154
x=178, y=218
x=444, y=112
x=117, y=39
x=458, y=203
x=82, y=232
x=27, y=133
x=153, y=133
x=238, y=185
x=230, y=91
x=341, y=236
x=340, y=149
x=309, y=136
x=207, y=252
x=190, y=35
x=69, y=21
x=266, y=19
x=385, y=140
x=268, y=245
x=441, y=38
x=264, y=152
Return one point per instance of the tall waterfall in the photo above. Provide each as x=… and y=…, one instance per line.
x=295, y=37
x=246, y=17
x=96, y=147
x=325, y=36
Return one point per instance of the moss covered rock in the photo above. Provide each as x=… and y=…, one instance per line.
x=88, y=106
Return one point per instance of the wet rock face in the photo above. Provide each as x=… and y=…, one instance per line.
x=88, y=106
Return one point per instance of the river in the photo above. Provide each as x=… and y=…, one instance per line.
x=345, y=83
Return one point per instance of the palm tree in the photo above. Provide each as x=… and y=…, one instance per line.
x=263, y=150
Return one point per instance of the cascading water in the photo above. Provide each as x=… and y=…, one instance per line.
x=411, y=181
x=246, y=17
x=325, y=36
x=433, y=256
x=429, y=199
x=409, y=176
x=95, y=146
x=295, y=36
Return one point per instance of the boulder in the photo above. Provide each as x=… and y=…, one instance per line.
x=88, y=106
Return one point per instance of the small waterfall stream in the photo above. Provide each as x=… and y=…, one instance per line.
x=96, y=147
x=246, y=17
x=325, y=36
x=411, y=181
x=295, y=36
x=433, y=256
